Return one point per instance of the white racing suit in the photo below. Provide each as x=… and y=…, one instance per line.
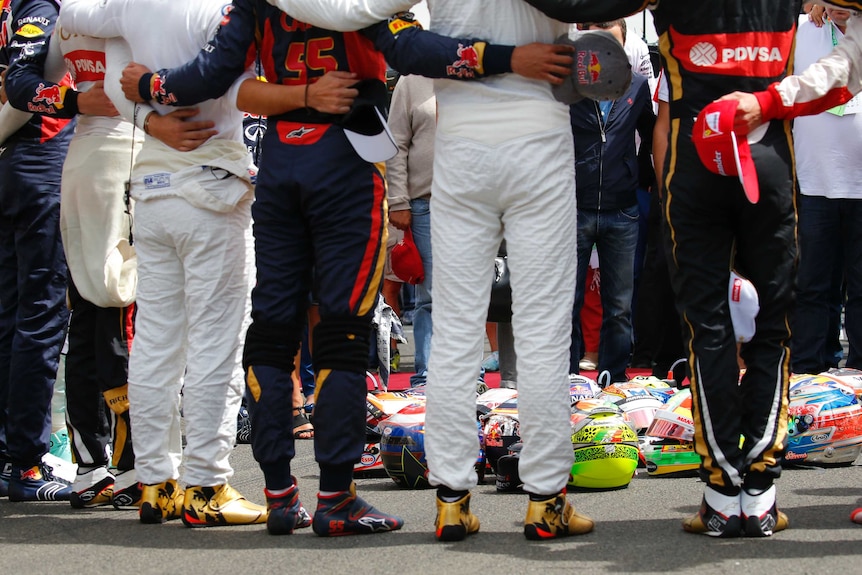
x=830, y=81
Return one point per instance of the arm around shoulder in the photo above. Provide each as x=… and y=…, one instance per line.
x=342, y=15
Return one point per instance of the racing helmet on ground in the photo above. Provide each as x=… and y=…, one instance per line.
x=669, y=456
x=825, y=422
x=500, y=429
x=582, y=387
x=605, y=448
x=635, y=400
x=674, y=420
x=848, y=376
x=402, y=447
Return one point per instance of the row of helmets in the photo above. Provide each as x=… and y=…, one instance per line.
x=643, y=422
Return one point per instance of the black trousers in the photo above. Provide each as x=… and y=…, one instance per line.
x=97, y=368
x=710, y=227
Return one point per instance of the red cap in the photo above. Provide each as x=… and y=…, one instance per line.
x=405, y=260
x=719, y=148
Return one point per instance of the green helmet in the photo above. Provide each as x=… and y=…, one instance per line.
x=606, y=449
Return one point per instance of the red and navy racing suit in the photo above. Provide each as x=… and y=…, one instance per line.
x=33, y=312
x=319, y=217
x=710, y=49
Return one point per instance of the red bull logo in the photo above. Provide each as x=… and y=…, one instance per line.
x=595, y=68
x=468, y=56
x=157, y=89
x=225, y=13
x=469, y=60
x=589, y=67
x=48, y=95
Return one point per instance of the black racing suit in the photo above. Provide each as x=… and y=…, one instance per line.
x=710, y=49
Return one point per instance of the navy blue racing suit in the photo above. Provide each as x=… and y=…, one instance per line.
x=33, y=314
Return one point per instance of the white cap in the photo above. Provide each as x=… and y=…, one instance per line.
x=365, y=124
x=375, y=143
x=744, y=307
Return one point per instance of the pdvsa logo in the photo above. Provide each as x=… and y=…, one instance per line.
x=705, y=54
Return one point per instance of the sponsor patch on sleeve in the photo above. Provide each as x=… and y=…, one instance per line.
x=29, y=31
x=401, y=22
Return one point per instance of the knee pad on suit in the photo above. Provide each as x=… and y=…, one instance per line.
x=342, y=343
x=271, y=344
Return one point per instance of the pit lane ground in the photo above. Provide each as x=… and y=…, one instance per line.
x=637, y=531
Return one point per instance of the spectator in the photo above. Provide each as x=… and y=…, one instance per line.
x=607, y=170
x=656, y=319
x=413, y=120
x=830, y=212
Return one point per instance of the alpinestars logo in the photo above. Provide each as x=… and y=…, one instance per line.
x=299, y=132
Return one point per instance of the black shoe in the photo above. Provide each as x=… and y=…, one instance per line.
x=5, y=475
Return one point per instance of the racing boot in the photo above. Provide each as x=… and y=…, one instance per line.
x=127, y=490
x=760, y=516
x=93, y=487
x=454, y=520
x=285, y=512
x=37, y=483
x=719, y=515
x=553, y=517
x=161, y=502
x=219, y=505
x=345, y=513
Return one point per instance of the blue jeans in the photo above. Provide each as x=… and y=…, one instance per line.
x=421, y=227
x=827, y=228
x=615, y=234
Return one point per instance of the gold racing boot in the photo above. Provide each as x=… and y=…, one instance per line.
x=161, y=502
x=454, y=520
x=219, y=505
x=553, y=518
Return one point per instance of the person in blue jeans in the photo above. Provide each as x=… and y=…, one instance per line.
x=412, y=119
x=829, y=208
x=606, y=171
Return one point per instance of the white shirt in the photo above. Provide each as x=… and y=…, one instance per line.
x=828, y=146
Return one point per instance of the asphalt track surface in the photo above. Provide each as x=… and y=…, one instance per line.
x=637, y=531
